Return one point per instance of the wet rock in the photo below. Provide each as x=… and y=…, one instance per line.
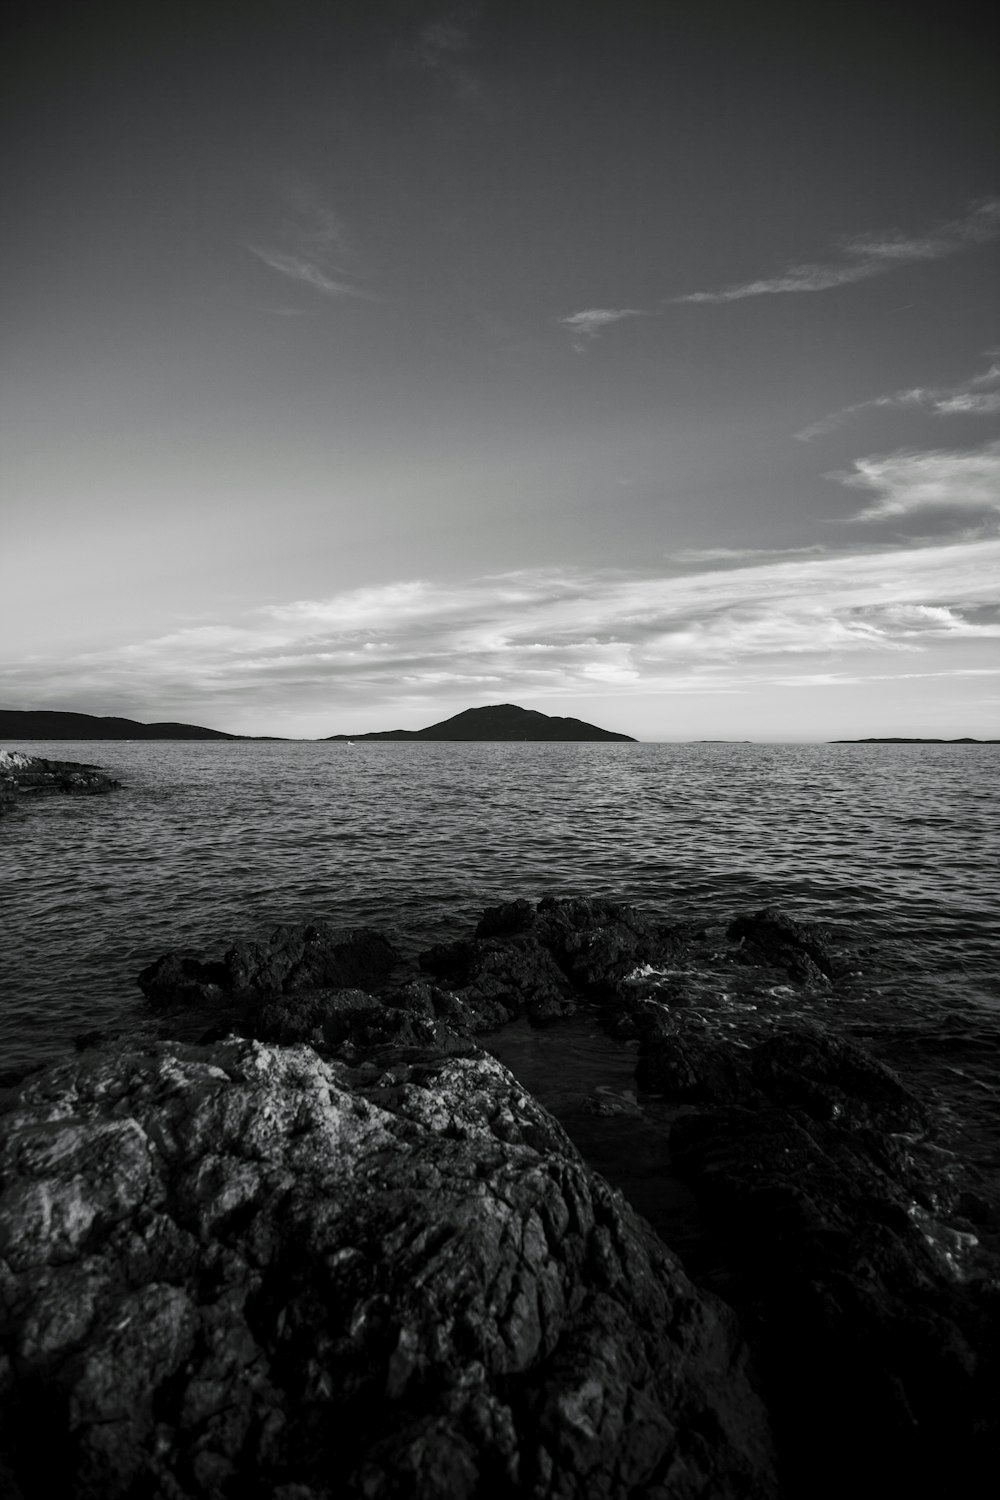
x=244, y=1270
x=846, y=1287
x=543, y=961
x=290, y=959
x=694, y=1067
x=769, y=937
x=25, y=776
x=342, y=1022
x=599, y=943
x=498, y=979
x=832, y=1078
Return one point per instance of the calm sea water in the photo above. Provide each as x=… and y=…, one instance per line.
x=212, y=841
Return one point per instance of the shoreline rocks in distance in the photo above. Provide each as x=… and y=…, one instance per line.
x=32, y=776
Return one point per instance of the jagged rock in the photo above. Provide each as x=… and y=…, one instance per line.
x=344, y=1022
x=599, y=942
x=771, y=938
x=832, y=1078
x=32, y=776
x=496, y=979
x=543, y=960
x=239, y=1270
x=820, y=1236
x=694, y=1067
x=290, y=959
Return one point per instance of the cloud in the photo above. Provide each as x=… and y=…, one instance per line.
x=741, y=554
x=311, y=245
x=909, y=481
x=306, y=271
x=442, y=48
x=556, y=632
x=588, y=325
x=863, y=256
x=971, y=397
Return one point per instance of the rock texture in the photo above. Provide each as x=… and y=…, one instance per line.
x=833, y=1227
x=540, y=961
x=290, y=959
x=24, y=776
x=828, y=1209
x=244, y=1271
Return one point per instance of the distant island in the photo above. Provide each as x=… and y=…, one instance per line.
x=498, y=721
x=898, y=739
x=46, y=724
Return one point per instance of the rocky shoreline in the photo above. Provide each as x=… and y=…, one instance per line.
x=334, y=1248
x=27, y=776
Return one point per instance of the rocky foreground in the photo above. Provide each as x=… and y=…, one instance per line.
x=335, y=1249
x=24, y=776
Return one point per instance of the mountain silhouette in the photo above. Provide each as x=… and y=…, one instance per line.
x=498, y=721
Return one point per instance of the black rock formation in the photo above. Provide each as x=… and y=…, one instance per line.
x=27, y=776
x=291, y=958
x=828, y=1211
x=498, y=721
x=241, y=1271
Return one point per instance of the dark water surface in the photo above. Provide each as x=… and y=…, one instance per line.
x=212, y=841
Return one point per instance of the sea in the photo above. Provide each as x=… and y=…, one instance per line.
x=895, y=846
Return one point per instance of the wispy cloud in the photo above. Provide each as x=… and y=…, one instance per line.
x=589, y=324
x=306, y=271
x=312, y=247
x=553, y=632
x=909, y=481
x=973, y=398
x=742, y=555
x=862, y=256
x=443, y=46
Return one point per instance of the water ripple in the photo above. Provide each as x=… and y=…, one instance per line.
x=210, y=841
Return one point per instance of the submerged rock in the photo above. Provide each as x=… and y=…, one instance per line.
x=242, y=1270
x=32, y=776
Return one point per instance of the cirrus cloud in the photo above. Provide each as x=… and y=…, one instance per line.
x=862, y=256
x=549, y=633
x=909, y=481
x=589, y=324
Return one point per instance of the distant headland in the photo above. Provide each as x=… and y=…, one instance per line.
x=497, y=721
x=898, y=739
x=50, y=724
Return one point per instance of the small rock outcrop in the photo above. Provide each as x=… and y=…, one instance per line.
x=245, y=1271
x=290, y=959
x=23, y=776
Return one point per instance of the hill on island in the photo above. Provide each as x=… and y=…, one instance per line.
x=498, y=721
x=51, y=724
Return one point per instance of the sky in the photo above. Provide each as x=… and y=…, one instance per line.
x=366, y=362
